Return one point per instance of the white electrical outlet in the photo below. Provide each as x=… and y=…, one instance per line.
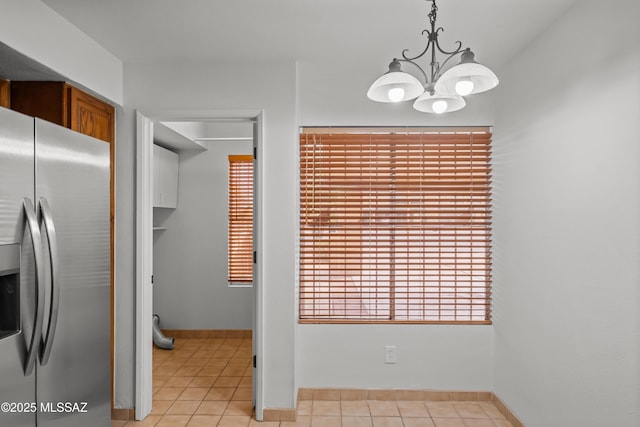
x=390, y=354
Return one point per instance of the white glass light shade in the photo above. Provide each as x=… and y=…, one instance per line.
x=379, y=90
x=425, y=103
x=482, y=77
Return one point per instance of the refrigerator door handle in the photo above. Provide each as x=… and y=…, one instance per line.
x=47, y=342
x=36, y=241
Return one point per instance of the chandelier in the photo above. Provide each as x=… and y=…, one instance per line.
x=440, y=92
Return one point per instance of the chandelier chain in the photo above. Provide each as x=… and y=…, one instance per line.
x=433, y=13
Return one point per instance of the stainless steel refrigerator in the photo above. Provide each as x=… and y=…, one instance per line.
x=54, y=275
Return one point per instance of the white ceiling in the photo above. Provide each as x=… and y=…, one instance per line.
x=304, y=30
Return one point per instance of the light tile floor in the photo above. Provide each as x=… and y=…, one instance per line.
x=207, y=383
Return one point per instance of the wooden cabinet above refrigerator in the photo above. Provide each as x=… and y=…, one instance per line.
x=4, y=93
x=65, y=105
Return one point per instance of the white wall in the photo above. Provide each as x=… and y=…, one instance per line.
x=429, y=357
x=567, y=215
x=35, y=30
x=270, y=88
x=190, y=257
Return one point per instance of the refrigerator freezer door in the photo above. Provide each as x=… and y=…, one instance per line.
x=16, y=183
x=72, y=174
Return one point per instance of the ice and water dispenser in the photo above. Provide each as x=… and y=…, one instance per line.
x=9, y=290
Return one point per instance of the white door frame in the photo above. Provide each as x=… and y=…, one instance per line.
x=144, y=246
x=144, y=265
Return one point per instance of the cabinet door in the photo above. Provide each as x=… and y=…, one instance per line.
x=5, y=94
x=165, y=178
x=90, y=116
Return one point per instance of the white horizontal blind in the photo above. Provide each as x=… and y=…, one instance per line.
x=395, y=226
x=240, y=263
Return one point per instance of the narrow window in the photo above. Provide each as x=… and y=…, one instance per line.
x=240, y=220
x=395, y=225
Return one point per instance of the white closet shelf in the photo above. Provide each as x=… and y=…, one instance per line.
x=172, y=140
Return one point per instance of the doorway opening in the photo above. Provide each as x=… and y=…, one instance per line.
x=190, y=227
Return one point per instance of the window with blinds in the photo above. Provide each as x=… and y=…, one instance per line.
x=395, y=225
x=240, y=219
